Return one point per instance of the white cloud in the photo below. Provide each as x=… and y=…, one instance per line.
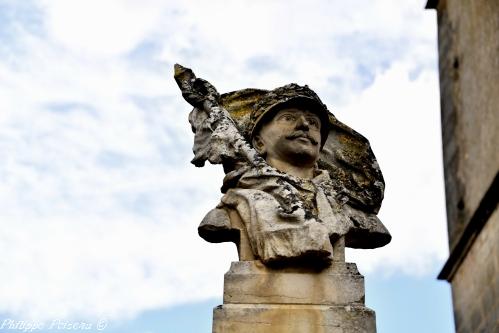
x=73, y=266
x=99, y=206
x=401, y=119
x=100, y=28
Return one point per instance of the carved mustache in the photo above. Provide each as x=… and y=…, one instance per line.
x=300, y=134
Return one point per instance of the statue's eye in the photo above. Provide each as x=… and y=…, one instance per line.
x=288, y=117
x=313, y=122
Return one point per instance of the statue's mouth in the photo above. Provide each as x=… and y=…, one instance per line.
x=302, y=135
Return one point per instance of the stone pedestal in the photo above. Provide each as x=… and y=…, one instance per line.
x=258, y=299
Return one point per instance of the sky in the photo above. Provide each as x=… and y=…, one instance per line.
x=99, y=205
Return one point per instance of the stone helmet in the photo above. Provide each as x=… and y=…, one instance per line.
x=288, y=96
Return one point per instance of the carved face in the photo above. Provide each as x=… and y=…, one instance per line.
x=292, y=136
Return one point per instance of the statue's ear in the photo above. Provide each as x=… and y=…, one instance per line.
x=258, y=144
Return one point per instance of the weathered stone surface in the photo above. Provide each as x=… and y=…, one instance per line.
x=346, y=154
x=468, y=46
x=272, y=145
x=469, y=93
x=475, y=286
x=286, y=318
x=259, y=299
x=299, y=187
x=254, y=283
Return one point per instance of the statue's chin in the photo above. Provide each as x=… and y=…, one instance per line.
x=303, y=151
x=306, y=157
x=302, y=159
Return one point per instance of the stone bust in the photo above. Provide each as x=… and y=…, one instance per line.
x=298, y=182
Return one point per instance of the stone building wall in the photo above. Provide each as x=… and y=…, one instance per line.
x=468, y=38
x=475, y=286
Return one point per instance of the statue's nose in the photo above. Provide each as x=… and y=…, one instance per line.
x=302, y=122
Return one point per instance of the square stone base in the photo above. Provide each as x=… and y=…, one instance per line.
x=292, y=318
x=251, y=282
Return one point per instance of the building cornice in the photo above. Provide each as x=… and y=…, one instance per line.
x=479, y=219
